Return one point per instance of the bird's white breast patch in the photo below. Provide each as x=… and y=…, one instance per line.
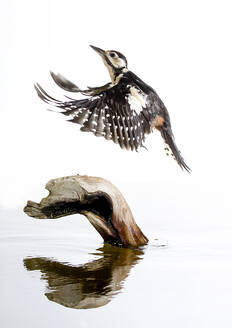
x=137, y=100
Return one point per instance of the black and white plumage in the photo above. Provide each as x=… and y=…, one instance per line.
x=123, y=111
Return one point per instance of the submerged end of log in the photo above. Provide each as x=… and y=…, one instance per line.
x=96, y=198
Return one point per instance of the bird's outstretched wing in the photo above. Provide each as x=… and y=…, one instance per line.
x=124, y=112
x=67, y=85
x=106, y=112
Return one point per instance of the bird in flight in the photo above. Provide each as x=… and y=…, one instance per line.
x=124, y=110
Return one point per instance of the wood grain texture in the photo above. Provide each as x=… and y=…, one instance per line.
x=96, y=198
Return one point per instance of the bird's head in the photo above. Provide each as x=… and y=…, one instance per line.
x=115, y=62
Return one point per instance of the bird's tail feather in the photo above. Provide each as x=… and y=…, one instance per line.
x=169, y=140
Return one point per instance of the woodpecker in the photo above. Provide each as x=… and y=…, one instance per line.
x=124, y=110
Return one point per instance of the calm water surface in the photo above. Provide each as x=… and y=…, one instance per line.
x=58, y=273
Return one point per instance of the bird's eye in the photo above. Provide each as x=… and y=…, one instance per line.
x=112, y=54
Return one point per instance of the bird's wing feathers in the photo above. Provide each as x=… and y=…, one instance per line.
x=123, y=113
x=67, y=85
x=63, y=83
x=106, y=113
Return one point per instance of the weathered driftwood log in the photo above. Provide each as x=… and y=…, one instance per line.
x=97, y=199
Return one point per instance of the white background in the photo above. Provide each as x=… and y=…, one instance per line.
x=181, y=48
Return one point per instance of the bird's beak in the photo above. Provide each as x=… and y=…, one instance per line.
x=99, y=51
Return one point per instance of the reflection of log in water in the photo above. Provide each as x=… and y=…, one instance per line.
x=90, y=285
x=97, y=199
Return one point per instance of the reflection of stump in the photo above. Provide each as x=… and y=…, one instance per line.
x=97, y=199
x=90, y=285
